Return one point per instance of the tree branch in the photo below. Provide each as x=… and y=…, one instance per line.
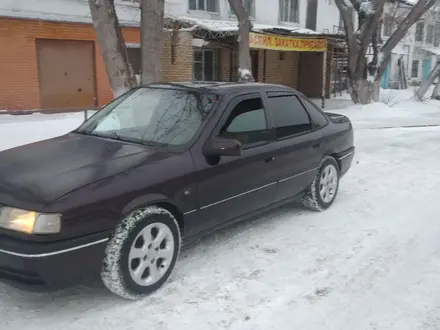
x=355, y=4
x=369, y=34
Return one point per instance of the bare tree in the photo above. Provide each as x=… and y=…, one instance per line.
x=364, y=76
x=112, y=45
x=152, y=40
x=244, y=28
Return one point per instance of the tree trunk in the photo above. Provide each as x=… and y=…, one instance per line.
x=244, y=28
x=436, y=92
x=364, y=91
x=421, y=91
x=152, y=40
x=112, y=45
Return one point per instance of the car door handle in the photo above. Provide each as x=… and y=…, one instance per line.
x=316, y=145
x=269, y=159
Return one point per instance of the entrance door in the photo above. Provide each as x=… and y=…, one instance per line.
x=310, y=74
x=426, y=69
x=255, y=60
x=385, y=82
x=66, y=72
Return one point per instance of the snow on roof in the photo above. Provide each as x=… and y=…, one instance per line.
x=433, y=50
x=232, y=26
x=76, y=11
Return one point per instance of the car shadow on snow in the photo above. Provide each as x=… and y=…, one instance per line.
x=96, y=296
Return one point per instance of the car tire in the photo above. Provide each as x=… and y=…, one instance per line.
x=141, y=253
x=322, y=192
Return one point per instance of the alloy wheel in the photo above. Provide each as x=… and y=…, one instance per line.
x=328, y=183
x=151, y=254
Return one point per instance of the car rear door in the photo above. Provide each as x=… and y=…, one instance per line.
x=298, y=151
x=232, y=186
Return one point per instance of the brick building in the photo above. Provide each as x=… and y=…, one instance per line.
x=52, y=60
x=50, y=65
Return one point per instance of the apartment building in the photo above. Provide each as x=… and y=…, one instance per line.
x=50, y=59
x=418, y=51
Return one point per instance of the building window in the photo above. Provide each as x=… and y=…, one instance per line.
x=430, y=34
x=419, y=31
x=415, y=69
x=289, y=11
x=388, y=26
x=205, y=5
x=205, y=65
x=134, y=57
x=249, y=5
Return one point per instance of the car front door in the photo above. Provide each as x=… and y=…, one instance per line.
x=297, y=145
x=232, y=186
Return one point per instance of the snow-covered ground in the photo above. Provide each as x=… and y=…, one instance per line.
x=372, y=261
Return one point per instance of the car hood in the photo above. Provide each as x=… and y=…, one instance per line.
x=34, y=175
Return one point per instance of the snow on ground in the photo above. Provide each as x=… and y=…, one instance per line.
x=396, y=108
x=372, y=261
x=22, y=129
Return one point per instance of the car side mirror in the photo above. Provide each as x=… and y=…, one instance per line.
x=219, y=146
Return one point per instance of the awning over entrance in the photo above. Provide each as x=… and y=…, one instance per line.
x=432, y=50
x=215, y=29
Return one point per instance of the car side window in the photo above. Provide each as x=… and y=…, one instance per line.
x=290, y=116
x=246, y=123
x=317, y=116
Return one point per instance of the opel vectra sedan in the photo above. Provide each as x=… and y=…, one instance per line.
x=162, y=162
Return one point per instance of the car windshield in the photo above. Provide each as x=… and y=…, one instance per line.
x=152, y=116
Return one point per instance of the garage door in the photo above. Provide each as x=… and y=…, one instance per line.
x=66, y=72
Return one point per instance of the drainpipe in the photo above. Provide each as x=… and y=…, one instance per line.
x=264, y=65
x=324, y=77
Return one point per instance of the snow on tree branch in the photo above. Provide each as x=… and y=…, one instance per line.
x=366, y=7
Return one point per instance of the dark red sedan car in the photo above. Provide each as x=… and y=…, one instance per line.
x=162, y=162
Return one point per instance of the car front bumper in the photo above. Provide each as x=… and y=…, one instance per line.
x=51, y=266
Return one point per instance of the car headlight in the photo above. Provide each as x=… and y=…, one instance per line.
x=29, y=222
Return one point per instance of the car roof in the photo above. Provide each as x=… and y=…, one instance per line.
x=220, y=87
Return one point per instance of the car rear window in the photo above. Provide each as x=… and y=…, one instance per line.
x=290, y=116
x=317, y=116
